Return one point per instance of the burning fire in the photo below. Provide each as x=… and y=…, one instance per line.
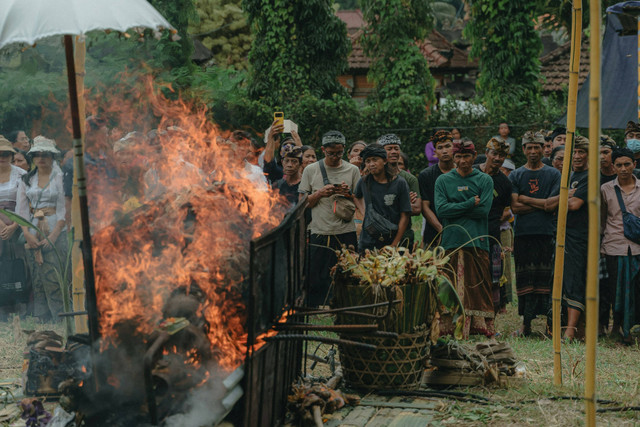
x=177, y=217
x=260, y=339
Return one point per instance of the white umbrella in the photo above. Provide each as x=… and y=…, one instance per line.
x=27, y=21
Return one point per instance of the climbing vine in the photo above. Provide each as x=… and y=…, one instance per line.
x=404, y=87
x=298, y=47
x=508, y=46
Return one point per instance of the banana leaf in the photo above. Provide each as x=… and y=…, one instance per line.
x=451, y=300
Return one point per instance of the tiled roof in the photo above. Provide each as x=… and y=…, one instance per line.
x=438, y=51
x=555, y=67
x=353, y=19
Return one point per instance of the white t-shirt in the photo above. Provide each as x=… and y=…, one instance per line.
x=323, y=220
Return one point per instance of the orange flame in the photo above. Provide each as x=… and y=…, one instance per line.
x=179, y=215
x=260, y=339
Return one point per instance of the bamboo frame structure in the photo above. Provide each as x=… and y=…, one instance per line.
x=593, y=253
x=574, y=69
x=77, y=270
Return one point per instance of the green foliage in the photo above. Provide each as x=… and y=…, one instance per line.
x=298, y=47
x=223, y=28
x=507, y=45
x=176, y=53
x=404, y=85
x=348, y=4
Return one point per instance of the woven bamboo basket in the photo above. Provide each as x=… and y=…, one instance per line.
x=396, y=364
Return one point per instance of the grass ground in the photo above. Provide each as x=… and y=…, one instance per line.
x=617, y=379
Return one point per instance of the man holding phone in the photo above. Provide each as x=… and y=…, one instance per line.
x=325, y=182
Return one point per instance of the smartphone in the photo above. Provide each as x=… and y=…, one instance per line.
x=278, y=116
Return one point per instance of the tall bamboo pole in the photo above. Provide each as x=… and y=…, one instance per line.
x=574, y=69
x=87, y=253
x=78, y=292
x=594, y=215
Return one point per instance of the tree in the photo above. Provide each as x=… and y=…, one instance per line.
x=507, y=44
x=298, y=47
x=348, y=4
x=404, y=87
x=223, y=28
x=176, y=53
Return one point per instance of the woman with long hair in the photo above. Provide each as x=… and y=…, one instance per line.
x=40, y=198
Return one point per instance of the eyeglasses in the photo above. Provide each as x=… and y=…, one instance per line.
x=334, y=154
x=6, y=154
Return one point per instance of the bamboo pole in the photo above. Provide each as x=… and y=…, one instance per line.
x=593, y=253
x=87, y=253
x=574, y=69
x=78, y=292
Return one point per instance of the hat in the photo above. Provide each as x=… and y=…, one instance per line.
x=533, y=138
x=498, y=145
x=389, y=139
x=508, y=164
x=556, y=132
x=292, y=151
x=373, y=150
x=607, y=141
x=633, y=145
x=580, y=143
x=631, y=127
x=5, y=145
x=333, y=137
x=43, y=145
x=441, y=136
x=464, y=147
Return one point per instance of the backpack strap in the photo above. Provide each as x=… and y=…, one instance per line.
x=323, y=171
x=620, y=201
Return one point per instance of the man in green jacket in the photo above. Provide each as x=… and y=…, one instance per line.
x=463, y=200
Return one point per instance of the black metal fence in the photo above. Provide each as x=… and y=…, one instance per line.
x=276, y=284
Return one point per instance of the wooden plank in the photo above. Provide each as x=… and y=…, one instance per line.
x=409, y=419
x=449, y=363
x=383, y=417
x=459, y=378
x=359, y=417
x=450, y=378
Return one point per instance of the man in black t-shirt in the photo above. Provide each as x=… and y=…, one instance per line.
x=496, y=152
x=574, y=280
x=443, y=145
x=534, y=199
x=385, y=193
x=288, y=184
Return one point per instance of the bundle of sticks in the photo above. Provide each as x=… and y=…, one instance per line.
x=309, y=402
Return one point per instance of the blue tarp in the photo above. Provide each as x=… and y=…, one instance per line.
x=619, y=84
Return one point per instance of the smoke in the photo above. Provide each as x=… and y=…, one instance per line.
x=209, y=404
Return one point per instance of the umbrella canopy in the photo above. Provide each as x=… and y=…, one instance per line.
x=26, y=21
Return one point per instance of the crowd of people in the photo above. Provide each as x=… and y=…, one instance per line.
x=485, y=212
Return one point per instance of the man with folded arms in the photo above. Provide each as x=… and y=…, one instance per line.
x=463, y=199
x=534, y=198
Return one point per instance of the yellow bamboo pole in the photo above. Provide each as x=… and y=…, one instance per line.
x=574, y=69
x=593, y=253
x=77, y=269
